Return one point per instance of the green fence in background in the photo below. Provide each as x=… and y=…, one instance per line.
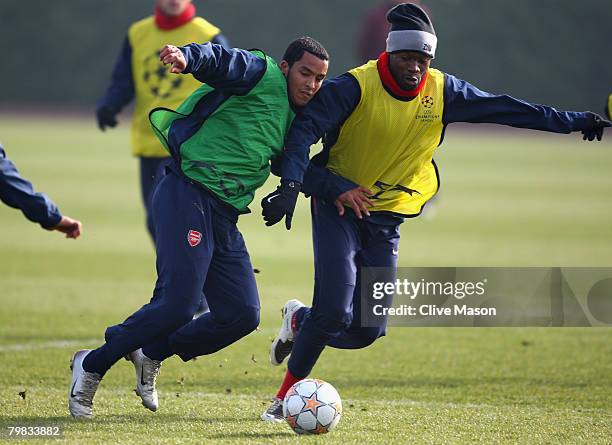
x=549, y=51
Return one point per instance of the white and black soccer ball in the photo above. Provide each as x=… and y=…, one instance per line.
x=312, y=406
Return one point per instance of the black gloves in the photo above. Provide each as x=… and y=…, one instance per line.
x=597, y=124
x=280, y=203
x=106, y=118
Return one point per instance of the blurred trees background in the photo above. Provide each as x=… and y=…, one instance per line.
x=61, y=52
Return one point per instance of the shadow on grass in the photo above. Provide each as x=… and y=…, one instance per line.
x=246, y=435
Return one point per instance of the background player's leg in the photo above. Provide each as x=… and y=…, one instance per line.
x=231, y=290
x=181, y=270
x=151, y=173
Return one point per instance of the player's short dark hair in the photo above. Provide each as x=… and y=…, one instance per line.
x=296, y=49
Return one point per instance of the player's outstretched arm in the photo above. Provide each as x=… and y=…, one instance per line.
x=234, y=70
x=18, y=192
x=464, y=102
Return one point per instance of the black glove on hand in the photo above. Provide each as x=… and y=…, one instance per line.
x=280, y=203
x=106, y=118
x=598, y=123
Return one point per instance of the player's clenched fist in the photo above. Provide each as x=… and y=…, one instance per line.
x=171, y=55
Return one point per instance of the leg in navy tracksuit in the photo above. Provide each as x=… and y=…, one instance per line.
x=152, y=170
x=342, y=246
x=215, y=260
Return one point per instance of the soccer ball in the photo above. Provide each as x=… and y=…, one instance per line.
x=312, y=406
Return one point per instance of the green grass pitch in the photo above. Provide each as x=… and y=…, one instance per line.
x=509, y=198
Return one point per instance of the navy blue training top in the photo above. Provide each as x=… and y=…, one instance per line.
x=19, y=193
x=463, y=102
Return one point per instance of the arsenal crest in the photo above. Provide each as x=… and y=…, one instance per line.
x=194, y=237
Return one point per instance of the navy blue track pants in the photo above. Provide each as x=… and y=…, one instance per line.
x=152, y=170
x=342, y=246
x=198, y=248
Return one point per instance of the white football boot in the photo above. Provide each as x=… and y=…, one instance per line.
x=283, y=343
x=147, y=371
x=83, y=387
x=274, y=413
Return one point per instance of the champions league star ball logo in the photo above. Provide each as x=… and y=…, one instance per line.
x=159, y=80
x=427, y=101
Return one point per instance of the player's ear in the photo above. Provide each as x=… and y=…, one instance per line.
x=284, y=66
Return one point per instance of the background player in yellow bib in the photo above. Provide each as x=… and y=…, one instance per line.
x=380, y=123
x=139, y=75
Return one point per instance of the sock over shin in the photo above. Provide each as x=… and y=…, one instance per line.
x=96, y=361
x=160, y=350
x=289, y=381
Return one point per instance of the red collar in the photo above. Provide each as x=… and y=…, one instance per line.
x=168, y=22
x=389, y=81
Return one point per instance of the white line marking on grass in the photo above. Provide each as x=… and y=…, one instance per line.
x=56, y=344
x=61, y=344
x=167, y=395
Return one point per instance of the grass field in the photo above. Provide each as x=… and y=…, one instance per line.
x=508, y=198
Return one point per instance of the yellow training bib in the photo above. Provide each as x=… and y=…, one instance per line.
x=387, y=144
x=154, y=84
